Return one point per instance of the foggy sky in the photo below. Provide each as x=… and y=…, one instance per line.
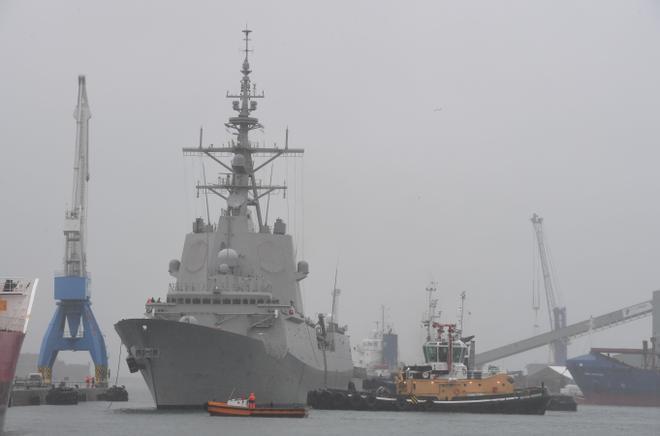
x=433, y=130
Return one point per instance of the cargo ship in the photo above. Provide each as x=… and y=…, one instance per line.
x=233, y=319
x=618, y=376
x=378, y=354
x=16, y=297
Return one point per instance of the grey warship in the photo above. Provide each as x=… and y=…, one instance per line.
x=233, y=319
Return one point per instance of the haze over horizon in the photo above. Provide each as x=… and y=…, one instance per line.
x=432, y=132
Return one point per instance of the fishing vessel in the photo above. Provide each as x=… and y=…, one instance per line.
x=234, y=319
x=16, y=297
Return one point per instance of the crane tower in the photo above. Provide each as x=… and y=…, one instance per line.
x=72, y=292
x=556, y=312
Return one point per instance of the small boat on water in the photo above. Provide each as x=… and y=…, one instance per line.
x=442, y=384
x=239, y=407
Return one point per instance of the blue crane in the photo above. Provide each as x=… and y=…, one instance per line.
x=72, y=291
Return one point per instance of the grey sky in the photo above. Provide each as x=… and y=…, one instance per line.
x=549, y=106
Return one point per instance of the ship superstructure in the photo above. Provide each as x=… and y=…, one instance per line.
x=16, y=297
x=378, y=353
x=233, y=320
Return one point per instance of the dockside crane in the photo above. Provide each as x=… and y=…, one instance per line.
x=556, y=311
x=72, y=291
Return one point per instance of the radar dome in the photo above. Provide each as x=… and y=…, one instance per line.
x=189, y=319
x=174, y=267
x=224, y=269
x=229, y=257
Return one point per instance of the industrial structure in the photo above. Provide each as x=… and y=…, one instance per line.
x=556, y=311
x=611, y=319
x=72, y=291
x=560, y=333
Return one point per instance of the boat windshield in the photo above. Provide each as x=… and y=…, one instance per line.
x=435, y=353
x=458, y=353
x=438, y=353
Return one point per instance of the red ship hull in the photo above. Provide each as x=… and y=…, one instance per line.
x=609, y=399
x=10, y=348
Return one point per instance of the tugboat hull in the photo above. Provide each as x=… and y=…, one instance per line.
x=533, y=401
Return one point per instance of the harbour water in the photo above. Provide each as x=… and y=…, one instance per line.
x=140, y=417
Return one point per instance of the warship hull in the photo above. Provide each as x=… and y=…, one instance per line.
x=192, y=364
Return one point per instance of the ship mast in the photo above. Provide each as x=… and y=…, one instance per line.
x=461, y=312
x=335, y=295
x=240, y=188
x=430, y=314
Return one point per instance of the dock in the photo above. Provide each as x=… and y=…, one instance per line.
x=35, y=396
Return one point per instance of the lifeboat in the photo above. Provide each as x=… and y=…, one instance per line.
x=237, y=407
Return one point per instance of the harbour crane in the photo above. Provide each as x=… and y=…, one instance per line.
x=556, y=311
x=72, y=291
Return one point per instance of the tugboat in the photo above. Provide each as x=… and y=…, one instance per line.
x=444, y=383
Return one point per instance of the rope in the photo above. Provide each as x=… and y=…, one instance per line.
x=116, y=373
x=118, y=365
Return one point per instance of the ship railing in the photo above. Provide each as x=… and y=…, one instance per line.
x=243, y=285
x=14, y=284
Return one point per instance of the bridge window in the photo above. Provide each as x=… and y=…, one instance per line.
x=195, y=301
x=226, y=301
x=206, y=301
x=187, y=300
x=260, y=301
x=236, y=301
x=216, y=301
x=253, y=301
x=430, y=353
x=457, y=354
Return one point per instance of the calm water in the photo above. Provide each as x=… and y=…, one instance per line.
x=139, y=417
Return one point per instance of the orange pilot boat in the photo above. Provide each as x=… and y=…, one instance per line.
x=236, y=407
